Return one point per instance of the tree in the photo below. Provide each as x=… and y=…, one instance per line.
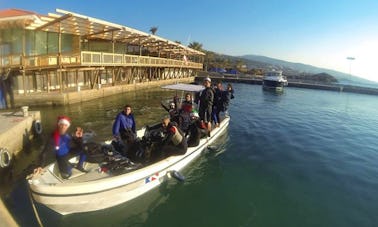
x=153, y=30
x=176, y=41
x=195, y=45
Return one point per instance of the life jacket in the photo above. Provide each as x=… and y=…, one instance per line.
x=177, y=137
x=56, y=137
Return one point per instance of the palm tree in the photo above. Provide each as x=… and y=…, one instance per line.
x=195, y=45
x=153, y=30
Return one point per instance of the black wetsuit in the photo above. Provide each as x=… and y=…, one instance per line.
x=169, y=148
x=196, y=132
x=206, y=100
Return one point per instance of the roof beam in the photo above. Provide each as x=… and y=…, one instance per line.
x=131, y=38
x=57, y=20
x=102, y=32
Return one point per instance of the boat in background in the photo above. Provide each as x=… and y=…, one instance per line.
x=274, y=80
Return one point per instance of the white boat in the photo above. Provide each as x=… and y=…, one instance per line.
x=96, y=190
x=274, y=80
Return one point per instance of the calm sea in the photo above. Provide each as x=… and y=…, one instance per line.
x=301, y=158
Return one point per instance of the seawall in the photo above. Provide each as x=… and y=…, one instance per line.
x=58, y=98
x=329, y=87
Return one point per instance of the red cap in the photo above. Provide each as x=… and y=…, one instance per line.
x=64, y=120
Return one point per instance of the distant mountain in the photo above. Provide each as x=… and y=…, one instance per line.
x=292, y=68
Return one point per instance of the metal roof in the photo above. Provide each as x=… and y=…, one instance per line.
x=92, y=28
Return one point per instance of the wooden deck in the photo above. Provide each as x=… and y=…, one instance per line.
x=90, y=58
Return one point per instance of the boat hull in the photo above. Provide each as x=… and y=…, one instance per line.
x=273, y=85
x=67, y=198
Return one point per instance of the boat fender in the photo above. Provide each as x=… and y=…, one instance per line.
x=212, y=147
x=37, y=127
x=5, y=158
x=177, y=175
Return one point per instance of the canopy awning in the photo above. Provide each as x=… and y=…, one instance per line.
x=184, y=87
x=91, y=28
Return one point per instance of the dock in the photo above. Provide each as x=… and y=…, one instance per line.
x=16, y=130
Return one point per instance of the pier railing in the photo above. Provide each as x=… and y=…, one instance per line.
x=91, y=58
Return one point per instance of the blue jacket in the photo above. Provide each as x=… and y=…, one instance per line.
x=64, y=145
x=123, y=122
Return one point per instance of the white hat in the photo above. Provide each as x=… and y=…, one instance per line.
x=194, y=114
x=64, y=120
x=207, y=79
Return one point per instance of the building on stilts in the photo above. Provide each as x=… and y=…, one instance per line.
x=65, y=57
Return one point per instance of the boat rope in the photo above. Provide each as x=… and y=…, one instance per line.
x=35, y=209
x=36, y=172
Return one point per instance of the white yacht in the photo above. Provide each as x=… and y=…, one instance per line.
x=274, y=80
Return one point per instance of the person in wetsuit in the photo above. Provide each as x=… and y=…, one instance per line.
x=206, y=99
x=197, y=130
x=172, y=110
x=174, y=142
x=218, y=104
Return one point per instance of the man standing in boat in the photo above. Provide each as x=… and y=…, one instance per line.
x=218, y=104
x=124, y=130
x=206, y=99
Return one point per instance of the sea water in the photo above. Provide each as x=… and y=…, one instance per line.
x=298, y=158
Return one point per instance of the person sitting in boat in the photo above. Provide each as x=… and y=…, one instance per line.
x=172, y=110
x=174, y=142
x=124, y=130
x=187, y=104
x=184, y=113
x=65, y=144
x=197, y=130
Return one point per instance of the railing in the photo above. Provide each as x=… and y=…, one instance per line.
x=89, y=58
x=39, y=60
x=10, y=60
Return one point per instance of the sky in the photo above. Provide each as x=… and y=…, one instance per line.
x=322, y=33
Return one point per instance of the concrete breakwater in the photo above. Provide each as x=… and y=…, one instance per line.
x=16, y=130
x=329, y=87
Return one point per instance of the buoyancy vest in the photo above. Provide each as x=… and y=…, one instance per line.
x=177, y=137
